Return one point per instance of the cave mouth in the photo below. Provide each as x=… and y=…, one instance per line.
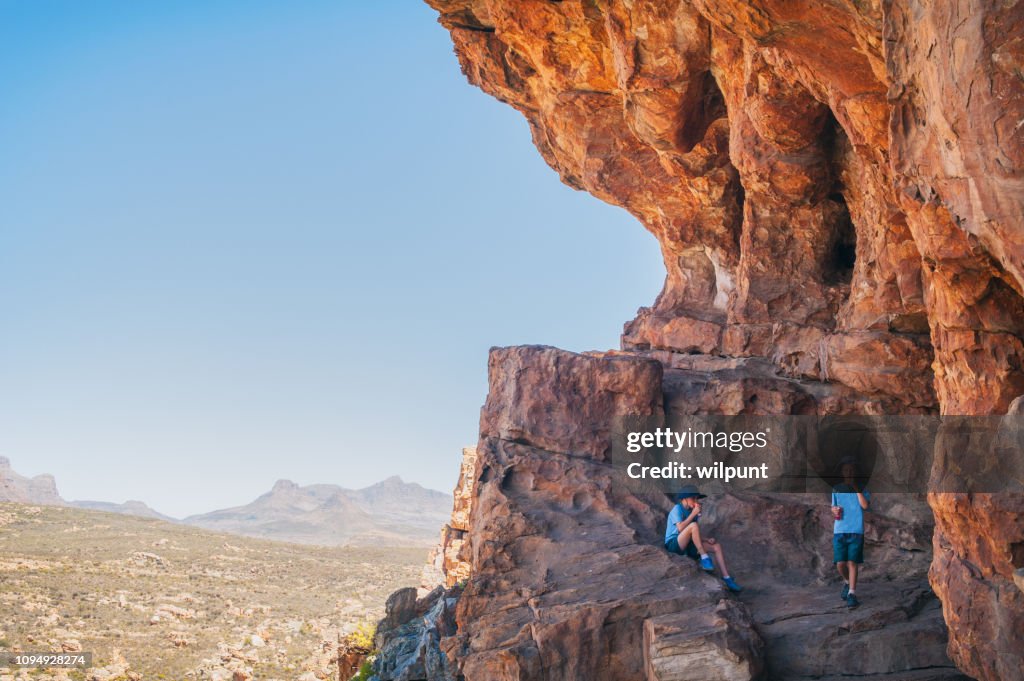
x=843, y=438
x=710, y=109
x=840, y=254
x=1017, y=555
x=842, y=249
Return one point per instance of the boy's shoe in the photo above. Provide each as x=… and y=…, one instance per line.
x=846, y=591
x=851, y=601
x=706, y=564
x=731, y=584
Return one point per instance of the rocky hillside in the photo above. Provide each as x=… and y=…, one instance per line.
x=133, y=507
x=838, y=192
x=42, y=489
x=391, y=512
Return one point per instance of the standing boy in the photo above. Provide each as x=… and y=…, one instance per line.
x=849, y=502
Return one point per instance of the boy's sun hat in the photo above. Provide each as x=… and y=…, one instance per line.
x=687, y=492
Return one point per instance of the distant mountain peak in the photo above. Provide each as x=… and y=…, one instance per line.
x=132, y=507
x=42, y=489
x=284, y=486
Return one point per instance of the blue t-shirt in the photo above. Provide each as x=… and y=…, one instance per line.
x=677, y=515
x=853, y=515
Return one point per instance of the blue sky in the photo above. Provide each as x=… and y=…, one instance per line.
x=243, y=241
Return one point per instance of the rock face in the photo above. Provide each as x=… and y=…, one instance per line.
x=709, y=643
x=568, y=578
x=448, y=563
x=566, y=561
x=838, y=193
x=41, y=489
x=408, y=638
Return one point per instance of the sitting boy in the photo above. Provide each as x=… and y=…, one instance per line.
x=682, y=535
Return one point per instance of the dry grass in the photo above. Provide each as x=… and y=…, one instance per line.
x=168, y=601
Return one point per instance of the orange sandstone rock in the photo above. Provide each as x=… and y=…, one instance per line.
x=838, y=191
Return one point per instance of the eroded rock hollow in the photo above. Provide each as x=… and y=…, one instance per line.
x=837, y=190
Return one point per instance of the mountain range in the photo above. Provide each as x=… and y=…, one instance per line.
x=392, y=511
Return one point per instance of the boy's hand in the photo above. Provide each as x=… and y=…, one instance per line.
x=835, y=509
x=696, y=509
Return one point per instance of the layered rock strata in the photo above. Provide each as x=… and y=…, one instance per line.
x=448, y=563
x=838, y=194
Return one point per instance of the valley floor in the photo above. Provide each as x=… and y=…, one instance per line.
x=155, y=600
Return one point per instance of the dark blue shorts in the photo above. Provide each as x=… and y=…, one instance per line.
x=847, y=548
x=672, y=546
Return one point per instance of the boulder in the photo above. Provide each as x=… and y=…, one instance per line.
x=408, y=638
x=562, y=401
x=713, y=643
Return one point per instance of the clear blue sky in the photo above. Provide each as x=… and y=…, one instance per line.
x=243, y=241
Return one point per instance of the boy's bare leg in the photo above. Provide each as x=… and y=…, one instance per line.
x=691, y=532
x=716, y=549
x=853, y=576
x=841, y=566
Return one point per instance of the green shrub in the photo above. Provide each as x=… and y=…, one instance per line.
x=365, y=672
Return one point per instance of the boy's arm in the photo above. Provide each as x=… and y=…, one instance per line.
x=862, y=499
x=688, y=519
x=676, y=519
